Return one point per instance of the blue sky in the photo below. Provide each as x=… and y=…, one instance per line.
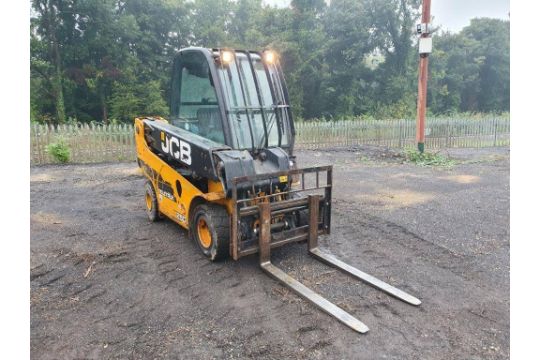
x=453, y=15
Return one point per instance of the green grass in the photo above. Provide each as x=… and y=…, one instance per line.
x=59, y=150
x=427, y=158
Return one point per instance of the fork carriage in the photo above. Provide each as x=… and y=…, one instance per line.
x=317, y=202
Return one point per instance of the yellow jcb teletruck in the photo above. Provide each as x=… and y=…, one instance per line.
x=222, y=167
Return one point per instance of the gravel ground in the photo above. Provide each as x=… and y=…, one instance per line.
x=107, y=283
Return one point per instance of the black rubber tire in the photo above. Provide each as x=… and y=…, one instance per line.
x=152, y=211
x=217, y=220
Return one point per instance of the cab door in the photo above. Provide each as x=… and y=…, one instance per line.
x=195, y=104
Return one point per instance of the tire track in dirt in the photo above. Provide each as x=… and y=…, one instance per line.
x=418, y=246
x=153, y=295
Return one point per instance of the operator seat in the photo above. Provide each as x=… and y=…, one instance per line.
x=210, y=124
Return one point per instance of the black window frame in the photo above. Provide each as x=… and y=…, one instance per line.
x=176, y=80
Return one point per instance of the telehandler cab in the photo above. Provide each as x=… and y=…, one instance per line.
x=222, y=166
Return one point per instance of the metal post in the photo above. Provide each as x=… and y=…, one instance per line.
x=313, y=221
x=328, y=199
x=422, y=83
x=264, y=235
x=233, y=250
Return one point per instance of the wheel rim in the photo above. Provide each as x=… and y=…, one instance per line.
x=148, y=199
x=205, y=237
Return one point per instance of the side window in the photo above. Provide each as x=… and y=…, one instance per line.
x=197, y=109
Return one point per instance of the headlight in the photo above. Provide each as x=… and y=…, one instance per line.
x=227, y=56
x=269, y=56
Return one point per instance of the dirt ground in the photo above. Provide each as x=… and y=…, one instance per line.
x=107, y=283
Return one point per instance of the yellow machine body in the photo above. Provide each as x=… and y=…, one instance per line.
x=159, y=173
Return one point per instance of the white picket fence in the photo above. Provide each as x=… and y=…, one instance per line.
x=440, y=133
x=87, y=143
x=101, y=143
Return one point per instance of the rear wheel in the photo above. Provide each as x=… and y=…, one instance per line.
x=210, y=230
x=150, y=199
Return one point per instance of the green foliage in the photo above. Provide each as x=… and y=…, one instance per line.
x=124, y=102
x=111, y=60
x=129, y=100
x=59, y=150
x=404, y=108
x=470, y=70
x=427, y=158
x=152, y=98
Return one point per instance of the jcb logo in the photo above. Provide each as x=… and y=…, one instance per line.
x=179, y=149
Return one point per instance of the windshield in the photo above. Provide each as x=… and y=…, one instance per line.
x=256, y=106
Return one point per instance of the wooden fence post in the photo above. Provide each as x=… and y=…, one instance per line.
x=495, y=131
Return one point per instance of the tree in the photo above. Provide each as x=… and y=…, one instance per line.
x=48, y=64
x=100, y=59
x=491, y=51
x=470, y=70
x=394, y=89
x=346, y=82
x=305, y=58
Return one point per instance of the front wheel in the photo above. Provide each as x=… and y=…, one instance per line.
x=210, y=229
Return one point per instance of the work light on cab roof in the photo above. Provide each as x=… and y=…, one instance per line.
x=227, y=56
x=269, y=56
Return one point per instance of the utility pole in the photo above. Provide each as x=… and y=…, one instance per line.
x=424, y=50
